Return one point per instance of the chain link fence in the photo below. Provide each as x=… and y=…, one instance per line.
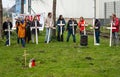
x=110, y=8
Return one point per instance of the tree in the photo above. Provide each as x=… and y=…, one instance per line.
x=54, y=17
x=1, y=16
x=22, y=6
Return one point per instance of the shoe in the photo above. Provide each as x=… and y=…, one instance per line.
x=45, y=41
x=97, y=44
x=7, y=45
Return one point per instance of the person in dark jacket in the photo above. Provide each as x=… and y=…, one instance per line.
x=70, y=29
x=27, y=30
x=6, y=25
x=33, y=30
x=97, y=31
x=59, y=22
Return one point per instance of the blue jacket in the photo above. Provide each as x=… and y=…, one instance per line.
x=63, y=22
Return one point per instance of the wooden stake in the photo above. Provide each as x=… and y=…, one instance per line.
x=25, y=56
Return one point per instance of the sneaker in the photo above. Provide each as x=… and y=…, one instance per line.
x=7, y=45
x=97, y=44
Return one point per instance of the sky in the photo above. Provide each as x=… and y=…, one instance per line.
x=8, y=3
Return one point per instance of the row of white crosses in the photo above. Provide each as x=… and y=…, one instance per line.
x=9, y=30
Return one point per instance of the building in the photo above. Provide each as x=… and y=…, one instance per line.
x=70, y=8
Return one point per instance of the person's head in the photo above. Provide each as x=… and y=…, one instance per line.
x=96, y=20
x=50, y=15
x=7, y=19
x=35, y=18
x=26, y=18
x=81, y=18
x=71, y=19
x=60, y=17
x=113, y=16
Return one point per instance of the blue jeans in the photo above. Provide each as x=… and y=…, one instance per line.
x=115, y=38
x=69, y=34
x=7, y=39
x=23, y=42
x=97, y=36
x=47, y=32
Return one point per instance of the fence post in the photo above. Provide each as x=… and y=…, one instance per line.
x=114, y=7
x=105, y=12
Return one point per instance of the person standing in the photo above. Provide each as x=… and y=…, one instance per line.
x=6, y=26
x=115, y=38
x=27, y=30
x=97, y=31
x=48, y=25
x=17, y=23
x=33, y=30
x=60, y=21
x=21, y=31
x=70, y=29
x=81, y=25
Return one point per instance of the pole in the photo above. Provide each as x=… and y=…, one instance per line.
x=73, y=28
x=9, y=32
x=84, y=29
x=111, y=35
x=61, y=28
x=94, y=20
x=29, y=6
x=36, y=32
x=49, y=31
x=22, y=6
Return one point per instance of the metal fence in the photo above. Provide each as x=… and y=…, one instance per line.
x=110, y=8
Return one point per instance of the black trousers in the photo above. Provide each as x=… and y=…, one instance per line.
x=60, y=36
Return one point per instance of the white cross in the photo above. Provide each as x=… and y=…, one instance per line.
x=36, y=33
x=110, y=28
x=9, y=30
x=49, y=30
x=25, y=55
x=93, y=27
x=73, y=25
x=61, y=25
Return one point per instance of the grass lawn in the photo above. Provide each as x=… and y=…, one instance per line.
x=59, y=59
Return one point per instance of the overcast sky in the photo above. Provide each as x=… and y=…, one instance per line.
x=8, y=3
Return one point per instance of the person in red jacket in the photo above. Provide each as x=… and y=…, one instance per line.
x=115, y=38
x=81, y=25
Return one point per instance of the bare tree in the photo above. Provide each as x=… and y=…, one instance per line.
x=22, y=6
x=54, y=17
x=1, y=16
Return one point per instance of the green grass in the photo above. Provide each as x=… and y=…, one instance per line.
x=60, y=59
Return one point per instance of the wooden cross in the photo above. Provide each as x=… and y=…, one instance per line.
x=25, y=56
x=110, y=28
x=36, y=33
x=49, y=31
x=61, y=25
x=9, y=30
x=73, y=25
